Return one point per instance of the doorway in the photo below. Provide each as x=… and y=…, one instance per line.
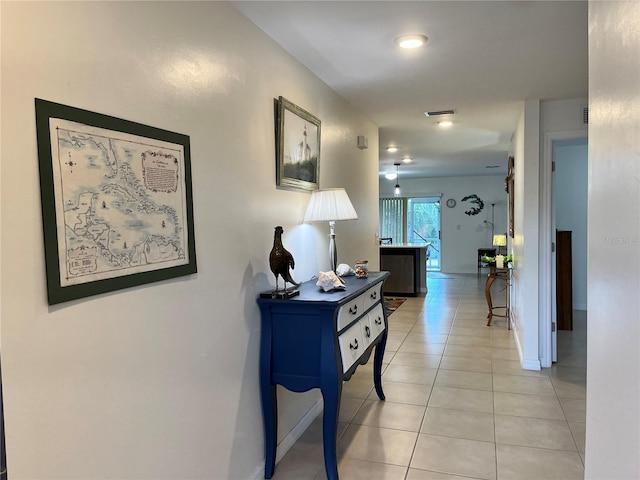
x=569, y=220
x=547, y=257
x=423, y=227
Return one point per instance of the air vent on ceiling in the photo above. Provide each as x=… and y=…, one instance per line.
x=439, y=112
x=585, y=116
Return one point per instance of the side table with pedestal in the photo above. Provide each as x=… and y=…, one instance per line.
x=498, y=274
x=317, y=340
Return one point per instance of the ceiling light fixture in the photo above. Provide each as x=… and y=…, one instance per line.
x=390, y=176
x=396, y=190
x=414, y=40
x=392, y=149
x=445, y=123
x=407, y=160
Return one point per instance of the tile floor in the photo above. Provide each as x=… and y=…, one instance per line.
x=458, y=404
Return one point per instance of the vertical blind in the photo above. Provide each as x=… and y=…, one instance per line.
x=392, y=218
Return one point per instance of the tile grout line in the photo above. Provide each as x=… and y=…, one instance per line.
x=462, y=300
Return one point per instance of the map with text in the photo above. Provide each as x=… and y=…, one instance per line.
x=123, y=201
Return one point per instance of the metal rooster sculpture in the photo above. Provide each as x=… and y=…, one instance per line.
x=280, y=260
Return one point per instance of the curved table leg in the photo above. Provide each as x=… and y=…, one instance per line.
x=331, y=395
x=269, y=403
x=377, y=365
x=487, y=294
x=270, y=419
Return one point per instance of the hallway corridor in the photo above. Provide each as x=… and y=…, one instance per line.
x=458, y=404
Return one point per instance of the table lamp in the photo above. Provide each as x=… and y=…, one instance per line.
x=330, y=205
x=500, y=241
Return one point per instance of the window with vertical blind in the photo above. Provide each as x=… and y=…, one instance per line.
x=392, y=215
x=415, y=221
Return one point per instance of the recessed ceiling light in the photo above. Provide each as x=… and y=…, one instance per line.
x=445, y=123
x=390, y=176
x=392, y=149
x=407, y=160
x=414, y=40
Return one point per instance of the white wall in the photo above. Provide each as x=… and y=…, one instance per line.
x=531, y=245
x=562, y=115
x=160, y=381
x=560, y=121
x=462, y=234
x=613, y=332
x=571, y=210
x=525, y=290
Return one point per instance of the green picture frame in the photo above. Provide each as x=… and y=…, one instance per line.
x=117, y=202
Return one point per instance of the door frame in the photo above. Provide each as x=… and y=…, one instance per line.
x=547, y=265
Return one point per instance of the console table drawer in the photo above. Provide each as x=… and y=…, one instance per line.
x=376, y=319
x=352, y=345
x=372, y=296
x=372, y=325
x=350, y=311
x=368, y=335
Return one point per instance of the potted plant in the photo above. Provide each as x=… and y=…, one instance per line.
x=491, y=261
x=508, y=260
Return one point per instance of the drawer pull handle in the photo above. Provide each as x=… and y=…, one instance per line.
x=374, y=295
x=353, y=310
x=368, y=331
x=378, y=321
x=356, y=346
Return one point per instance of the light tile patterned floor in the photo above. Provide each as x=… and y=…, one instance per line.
x=458, y=404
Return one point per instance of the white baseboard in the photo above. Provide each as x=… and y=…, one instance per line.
x=525, y=364
x=297, y=431
x=531, y=365
x=291, y=438
x=258, y=474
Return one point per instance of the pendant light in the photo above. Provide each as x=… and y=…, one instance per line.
x=396, y=191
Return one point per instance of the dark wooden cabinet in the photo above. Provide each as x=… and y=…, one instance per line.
x=564, y=294
x=407, y=265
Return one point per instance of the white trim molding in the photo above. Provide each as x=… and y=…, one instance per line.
x=546, y=269
x=292, y=437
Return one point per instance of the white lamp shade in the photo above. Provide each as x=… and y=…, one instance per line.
x=328, y=205
x=499, y=240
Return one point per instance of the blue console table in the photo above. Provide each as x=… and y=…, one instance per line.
x=317, y=340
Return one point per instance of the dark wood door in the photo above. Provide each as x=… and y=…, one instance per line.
x=564, y=295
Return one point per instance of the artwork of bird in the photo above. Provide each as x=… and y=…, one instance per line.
x=280, y=260
x=474, y=210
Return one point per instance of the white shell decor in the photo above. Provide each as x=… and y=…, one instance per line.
x=329, y=281
x=344, y=270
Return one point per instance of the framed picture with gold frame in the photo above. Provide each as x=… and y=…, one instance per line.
x=297, y=147
x=508, y=186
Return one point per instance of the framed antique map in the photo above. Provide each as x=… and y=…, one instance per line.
x=117, y=205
